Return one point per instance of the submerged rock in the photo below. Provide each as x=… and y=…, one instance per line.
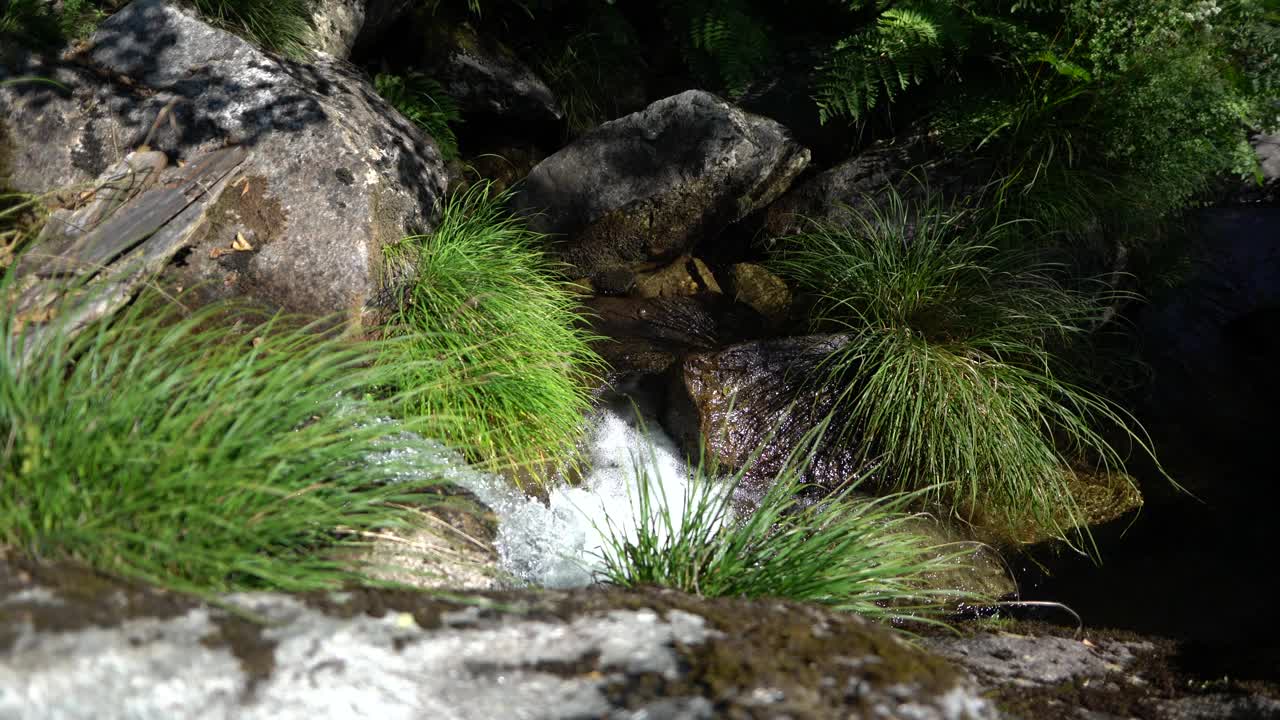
x=333, y=174
x=78, y=646
x=651, y=185
x=649, y=335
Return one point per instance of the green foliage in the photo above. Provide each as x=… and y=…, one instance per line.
x=907, y=44
x=1129, y=108
x=724, y=42
x=282, y=26
x=511, y=381
x=40, y=23
x=949, y=381
x=425, y=103
x=195, y=453
x=853, y=554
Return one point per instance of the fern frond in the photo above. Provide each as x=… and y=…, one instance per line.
x=906, y=45
x=724, y=41
x=425, y=103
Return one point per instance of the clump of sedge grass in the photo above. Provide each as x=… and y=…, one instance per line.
x=425, y=103
x=282, y=26
x=949, y=381
x=850, y=553
x=513, y=365
x=194, y=453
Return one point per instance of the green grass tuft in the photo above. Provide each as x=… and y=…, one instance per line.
x=194, y=453
x=425, y=103
x=853, y=554
x=949, y=382
x=282, y=26
x=511, y=384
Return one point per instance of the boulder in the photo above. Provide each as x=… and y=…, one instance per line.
x=380, y=17
x=486, y=78
x=654, y=184
x=333, y=173
x=757, y=396
x=1036, y=670
x=763, y=291
x=75, y=645
x=907, y=164
x=683, y=277
x=337, y=24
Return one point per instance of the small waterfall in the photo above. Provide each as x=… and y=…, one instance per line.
x=559, y=543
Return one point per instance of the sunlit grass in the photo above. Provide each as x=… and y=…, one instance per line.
x=206, y=451
x=855, y=554
x=512, y=367
x=950, y=382
x=425, y=103
x=280, y=25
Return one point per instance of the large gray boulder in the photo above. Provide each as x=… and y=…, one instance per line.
x=653, y=184
x=77, y=646
x=334, y=173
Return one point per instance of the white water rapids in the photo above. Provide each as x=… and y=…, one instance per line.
x=560, y=543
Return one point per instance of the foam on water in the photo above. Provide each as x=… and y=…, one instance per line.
x=560, y=544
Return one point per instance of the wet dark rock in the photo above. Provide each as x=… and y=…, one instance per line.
x=765, y=292
x=860, y=184
x=653, y=184
x=683, y=277
x=649, y=335
x=759, y=395
x=117, y=650
x=333, y=172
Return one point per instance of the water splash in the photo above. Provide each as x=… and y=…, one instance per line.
x=561, y=543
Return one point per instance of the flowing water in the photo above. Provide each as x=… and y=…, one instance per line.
x=561, y=542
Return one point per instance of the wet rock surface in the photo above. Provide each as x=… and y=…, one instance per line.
x=647, y=336
x=759, y=394
x=77, y=645
x=334, y=173
x=652, y=184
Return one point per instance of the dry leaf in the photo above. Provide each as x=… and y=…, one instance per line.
x=240, y=244
x=219, y=252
